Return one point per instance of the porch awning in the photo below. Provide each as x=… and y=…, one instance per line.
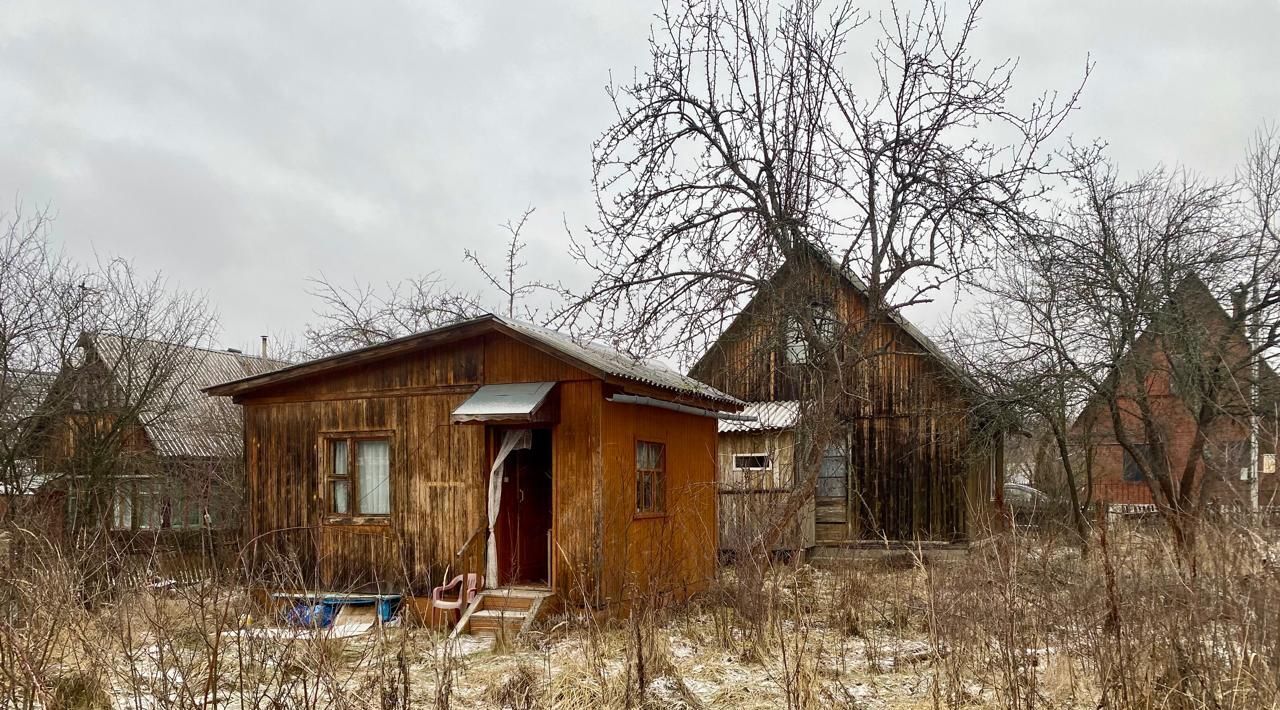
x=505, y=403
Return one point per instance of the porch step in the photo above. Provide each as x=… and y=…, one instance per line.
x=503, y=612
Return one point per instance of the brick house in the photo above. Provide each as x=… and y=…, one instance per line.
x=1225, y=469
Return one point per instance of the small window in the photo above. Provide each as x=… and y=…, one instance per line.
x=796, y=350
x=359, y=477
x=752, y=462
x=122, y=511
x=1132, y=468
x=185, y=514
x=651, y=474
x=148, y=510
x=1268, y=463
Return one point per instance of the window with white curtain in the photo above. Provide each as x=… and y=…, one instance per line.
x=373, y=474
x=359, y=476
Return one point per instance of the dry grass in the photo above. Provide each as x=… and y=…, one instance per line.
x=1018, y=623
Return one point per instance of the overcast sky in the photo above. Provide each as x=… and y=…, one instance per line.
x=241, y=151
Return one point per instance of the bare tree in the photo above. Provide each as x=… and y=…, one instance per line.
x=752, y=141
x=748, y=141
x=1117, y=301
x=508, y=283
x=43, y=300
x=359, y=316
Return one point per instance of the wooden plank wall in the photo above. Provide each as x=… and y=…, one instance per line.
x=746, y=506
x=674, y=553
x=577, y=478
x=438, y=469
x=909, y=424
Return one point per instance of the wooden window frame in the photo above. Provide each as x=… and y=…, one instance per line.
x=352, y=438
x=764, y=455
x=660, y=510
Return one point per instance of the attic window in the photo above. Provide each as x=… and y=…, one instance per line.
x=796, y=349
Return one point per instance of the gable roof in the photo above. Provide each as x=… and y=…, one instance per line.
x=601, y=361
x=1190, y=293
x=853, y=281
x=181, y=421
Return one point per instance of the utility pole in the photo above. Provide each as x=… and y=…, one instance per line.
x=1255, y=373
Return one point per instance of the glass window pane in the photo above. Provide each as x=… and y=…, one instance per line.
x=123, y=513
x=373, y=468
x=833, y=474
x=338, y=457
x=149, y=511
x=340, y=496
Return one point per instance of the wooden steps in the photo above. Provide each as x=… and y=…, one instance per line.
x=502, y=613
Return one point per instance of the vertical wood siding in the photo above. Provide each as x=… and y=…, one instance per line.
x=913, y=466
x=675, y=552
x=438, y=469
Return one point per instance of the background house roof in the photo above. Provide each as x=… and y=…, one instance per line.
x=179, y=419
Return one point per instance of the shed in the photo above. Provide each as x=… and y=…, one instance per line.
x=912, y=458
x=486, y=446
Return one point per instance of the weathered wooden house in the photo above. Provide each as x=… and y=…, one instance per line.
x=1236, y=466
x=129, y=442
x=489, y=446
x=910, y=458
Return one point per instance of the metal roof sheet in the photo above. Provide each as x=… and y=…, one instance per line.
x=769, y=416
x=512, y=401
x=604, y=358
x=581, y=352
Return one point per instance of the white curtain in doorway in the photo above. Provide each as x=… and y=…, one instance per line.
x=513, y=439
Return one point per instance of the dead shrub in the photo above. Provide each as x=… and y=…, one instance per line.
x=522, y=689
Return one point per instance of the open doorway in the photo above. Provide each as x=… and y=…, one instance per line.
x=523, y=528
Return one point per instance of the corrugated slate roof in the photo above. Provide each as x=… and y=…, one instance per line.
x=606, y=359
x=180, y=420
x=770, y=416
x=588, y=355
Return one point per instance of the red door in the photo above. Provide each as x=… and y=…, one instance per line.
x=524, y=516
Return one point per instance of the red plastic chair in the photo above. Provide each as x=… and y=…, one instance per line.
x=467, y=586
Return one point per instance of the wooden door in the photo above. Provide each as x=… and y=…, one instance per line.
x=524, y=517
x=831, y=498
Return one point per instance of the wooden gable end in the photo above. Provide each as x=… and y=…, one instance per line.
x=888, y=372
x=449, y=368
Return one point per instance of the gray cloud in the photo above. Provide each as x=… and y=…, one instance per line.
x=241, y=149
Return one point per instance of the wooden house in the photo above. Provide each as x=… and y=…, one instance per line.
x=130, y=443
x=1225, y=470
x=910, y=459
x=488, y=445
